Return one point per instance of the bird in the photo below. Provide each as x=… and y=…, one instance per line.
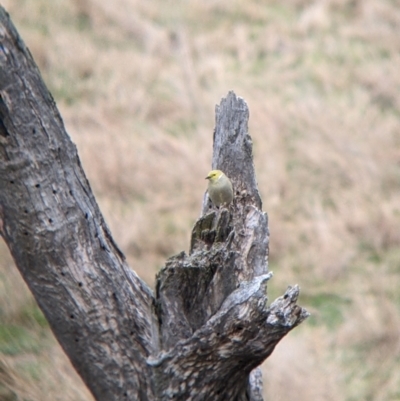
x=220, y=188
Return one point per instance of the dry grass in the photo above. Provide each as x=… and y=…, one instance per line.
x=136, y=83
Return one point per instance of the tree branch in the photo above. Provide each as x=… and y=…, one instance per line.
x=212, y=303
x=99, y=310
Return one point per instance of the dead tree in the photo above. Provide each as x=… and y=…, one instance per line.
x=207, y=328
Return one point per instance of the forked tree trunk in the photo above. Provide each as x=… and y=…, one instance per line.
x=207, y=328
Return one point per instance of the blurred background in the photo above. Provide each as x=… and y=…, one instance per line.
x=137, y=82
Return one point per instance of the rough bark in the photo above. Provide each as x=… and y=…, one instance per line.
x=207, y=328
x=215, y=298
x=97, y=307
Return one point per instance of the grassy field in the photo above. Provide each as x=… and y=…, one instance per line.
x=137, y=82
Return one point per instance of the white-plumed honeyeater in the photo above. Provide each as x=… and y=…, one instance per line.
x=219, y=188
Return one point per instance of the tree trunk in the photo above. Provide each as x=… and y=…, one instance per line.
x=207, y=328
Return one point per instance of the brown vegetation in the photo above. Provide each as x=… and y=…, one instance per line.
x=136, y=83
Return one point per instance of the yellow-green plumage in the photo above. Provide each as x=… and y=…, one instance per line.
x=219, y=188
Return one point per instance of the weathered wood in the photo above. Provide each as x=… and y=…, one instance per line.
x=97, y=307
x=207, y=328
x=227, y=265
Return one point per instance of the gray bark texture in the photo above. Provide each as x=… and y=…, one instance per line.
x=207, y=328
